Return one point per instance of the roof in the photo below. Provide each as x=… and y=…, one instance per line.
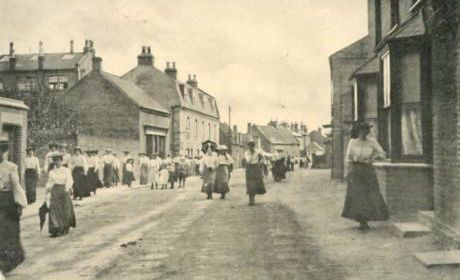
x=8, y=102
x=170, y=92
x=356, y=49
x=278, y=135
x=52, y=61
x=413, y=27
x=136, y=94
x=371, y=66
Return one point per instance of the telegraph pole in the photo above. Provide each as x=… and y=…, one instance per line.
x=230, y=129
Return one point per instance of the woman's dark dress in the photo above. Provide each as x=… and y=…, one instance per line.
x=30, y=181
x=81, y=187
x=254, y=180
x=61, y=212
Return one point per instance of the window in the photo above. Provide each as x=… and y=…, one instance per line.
x=58, y=82
x=209, y=131
x=182, y=91
x=211, y=104
x=394, y=12
x=25, y=84
x=202, y=99
x=215, y=132
x=190, y=95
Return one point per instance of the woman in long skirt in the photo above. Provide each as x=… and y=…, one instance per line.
x=363, y=201
x=93, y=174
x=143, y=168
x=31, y=175
x=58, y=188
x=129, y=174
x=108, y=161
x=208, y=168
x=12, y=201
x=254, y=177
x=222, y=172
x=154, y=167
x=81, y=186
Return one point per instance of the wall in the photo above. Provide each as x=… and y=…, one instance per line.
x=189, y=139
x=158, y=121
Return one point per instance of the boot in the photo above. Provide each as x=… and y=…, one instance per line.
x=252, y=201
x=209, y=196
x=222, y=196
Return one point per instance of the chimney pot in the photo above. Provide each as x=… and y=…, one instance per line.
x=167, y=65
x=11, y=49
x=174, y=65
x=143, y=49
x=171, y=71
x=149, y=50
x=40, y=48
x=71, y=46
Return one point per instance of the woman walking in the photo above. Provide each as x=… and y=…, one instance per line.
x=12, y=201
x=208, y=168
x=129, y=172
x=79, y=165
x=363, y=201
x=93, y=172
x=58, y=188
x=254, y=177
x=108, y=162
x=154, y=167
x=222, y=172
x=31, y=175
x=144, y=168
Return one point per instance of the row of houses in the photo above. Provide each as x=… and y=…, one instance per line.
x=294, y=139
x=145, y=110
x=403, y=78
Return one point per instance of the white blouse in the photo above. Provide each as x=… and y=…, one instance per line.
x=79, y=161
x=364, y=151
x=60, y=176
x=31, y=162
x=9, y=181
x=253, y=158
x=208, y=161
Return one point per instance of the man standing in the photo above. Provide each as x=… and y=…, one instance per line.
x=12, y=201
x=31, y=175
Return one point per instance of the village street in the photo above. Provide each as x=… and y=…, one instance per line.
x=294, y=232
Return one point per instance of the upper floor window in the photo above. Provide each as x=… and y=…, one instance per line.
x=25, y=84
x=202, y=99
x=58, y=82
x=182, y=92
x=190, y=95
x=211, y=103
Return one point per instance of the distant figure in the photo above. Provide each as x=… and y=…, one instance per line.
x=108, y=170
x=12, y=201
x=81, y=187
x=222, y=172
x=48, y=158
x=254, y=177
x=66, y=156
x=58, y=189
x=280, y=167
x=116, y=170
x=93, y=169
x=163, y=176
x=129, y=172
x=144, y=168
x=125, y=158
x=31, y=175
x=363, y=201
x=182, y=171
x=154, y=168
x=208, y=168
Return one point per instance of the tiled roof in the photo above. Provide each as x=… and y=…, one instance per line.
x=279, y=135
x=29, y=62
x=136, y=94
x=411, y=28
x=369, y=67
x=170, y=92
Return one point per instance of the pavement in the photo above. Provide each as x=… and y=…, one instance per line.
x=294, y=232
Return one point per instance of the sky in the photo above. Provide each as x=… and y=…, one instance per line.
x=267, y=59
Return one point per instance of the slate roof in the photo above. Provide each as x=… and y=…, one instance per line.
x=411, y=28
x=136, y=94
x=52, y=61
x=170, y=92
x=371, y=66
x=280, y=135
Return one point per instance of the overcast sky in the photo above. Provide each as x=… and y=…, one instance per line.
x=267, y=59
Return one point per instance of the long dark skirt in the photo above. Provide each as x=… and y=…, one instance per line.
x=81, y=186
x=116, y=177
x=221, y=185
x=93, y=179
x=129, y=177
x=144, y=173
x=363, y=201
x=30, y=180
x=209, y=180
x=61, y=213
x=254, y=180
x=279, y=169
x=108, y=175
x=11, y=252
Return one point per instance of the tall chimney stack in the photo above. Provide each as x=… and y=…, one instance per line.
x=12, y=57
x=171, y=70
x=97, y=64
x=71, y=46
x=41, y=56
x=145, y=58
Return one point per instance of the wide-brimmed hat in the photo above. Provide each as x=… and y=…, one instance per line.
x=363, y=125
x=142, y=154
x=57, y=155
x=53, y=144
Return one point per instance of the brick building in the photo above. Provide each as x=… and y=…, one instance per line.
x=23, y=74
x=409, y=89
x=342, y=65
x=114, y=112
x=194, y=113
x=236, y=141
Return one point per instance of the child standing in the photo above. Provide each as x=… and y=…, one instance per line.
x=129, y=172
x=163, y=177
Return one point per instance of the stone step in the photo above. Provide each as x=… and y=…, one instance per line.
x=439, y=258
x=426, y=218
x=406, y=230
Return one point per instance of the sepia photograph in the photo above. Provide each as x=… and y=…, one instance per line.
x=239, y=139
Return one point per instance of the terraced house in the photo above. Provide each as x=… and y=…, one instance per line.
x=194, y=113
x=408, y=88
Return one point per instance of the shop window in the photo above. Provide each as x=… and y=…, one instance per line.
x=58, y=82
